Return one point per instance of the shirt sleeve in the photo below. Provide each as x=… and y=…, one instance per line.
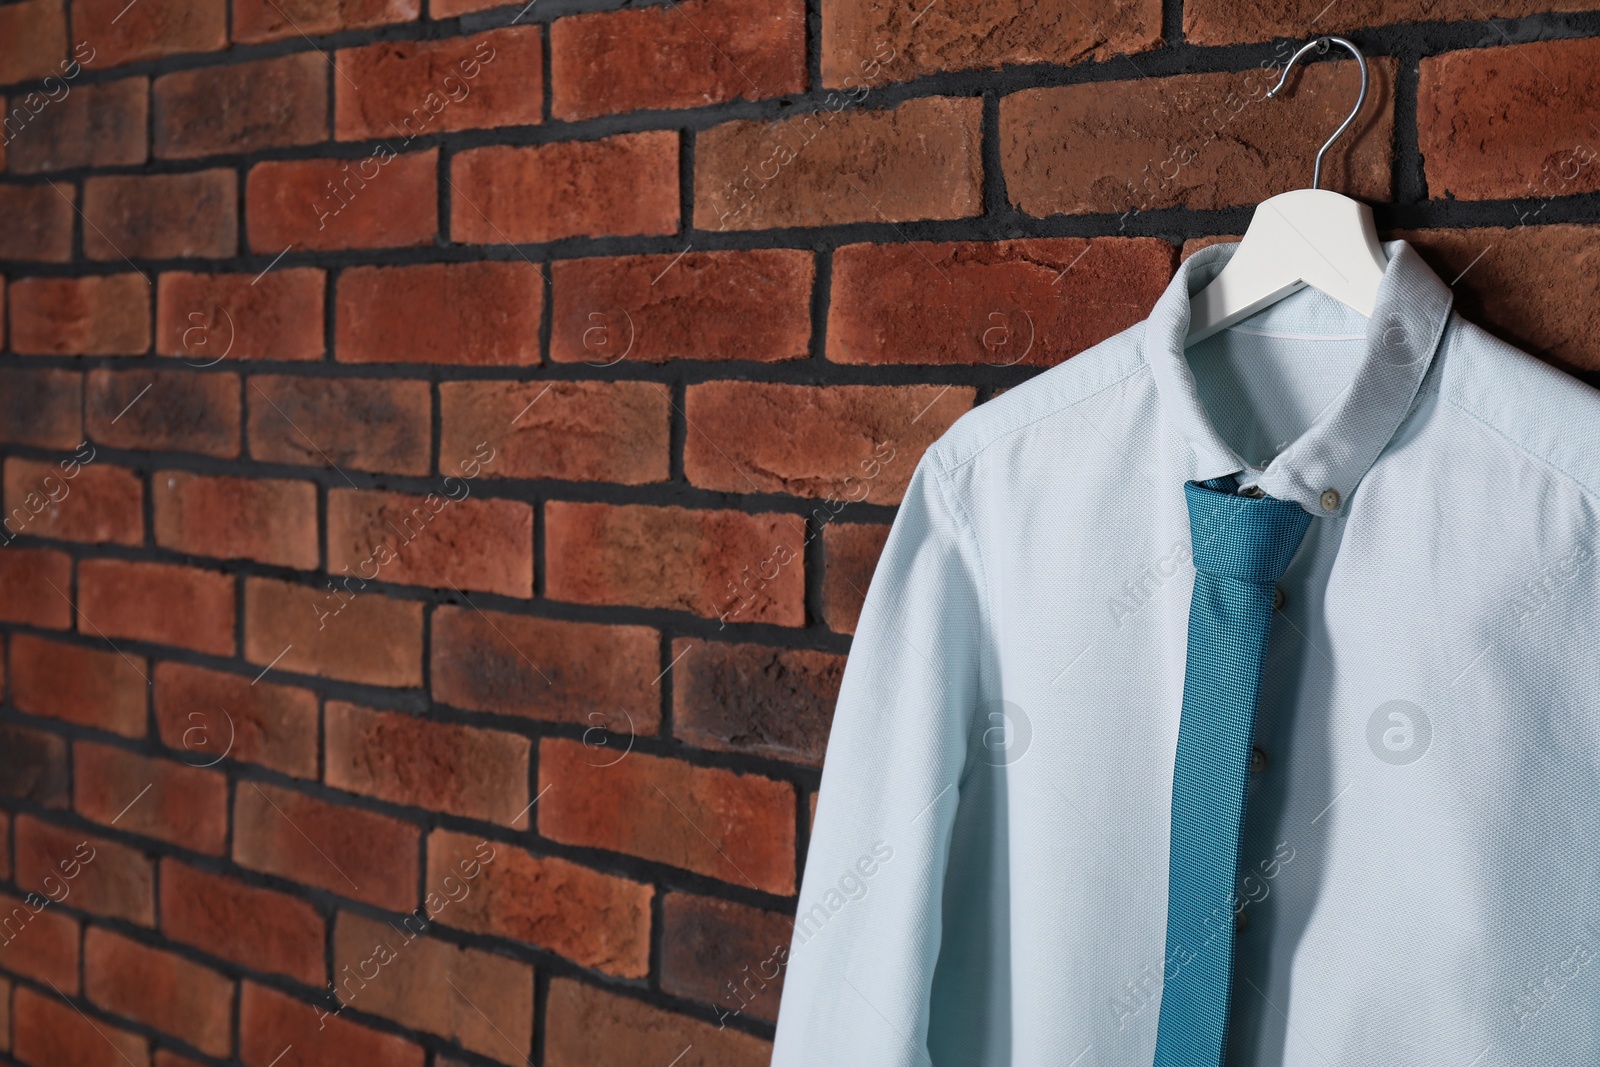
x=867, y=927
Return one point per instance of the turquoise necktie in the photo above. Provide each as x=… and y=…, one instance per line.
x=1242, y=546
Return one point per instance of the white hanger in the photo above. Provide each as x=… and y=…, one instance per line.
x=1312, y=237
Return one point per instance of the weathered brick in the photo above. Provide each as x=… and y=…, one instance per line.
x=258, y=928
x=728, y=955
x=623, y=185
x=865, y=45
x=164, y=603
x=208, y=713
x=123, y=33
x=434, y=540
x=596, y=920
x=467, y=314
x=273, y=520
x=161, y=216
x=843, y=442
x=107, y=878
x=39, y=941
x=1230, y=21
x=746, y=305
x=469, y=771
x=677, y=558
x=38, y=223
x=571, y=431
x=71, y=501
x=768, y=702
x=48, y=1030
x=347, y=851
x=590, y=1027
x=380, y=200
x=268, y=20
x=157, y=798
x=920, y=160
x=1032, y=302
x=99, y=125
x=102, y=315
x=339, y=631
x=736, y=827
x=269, y=1020
x=547, y=669
x=205, y=318
x=410, y=89
x=33, y=39
x=33, y=767
x=363, y=423
x=684, y=55
x=41, y=407
x=86, y=686
x=240, y=108
x=1109, y=146
x=159, y=989
x=161, y=410
x=850, y=553
x=479, y=999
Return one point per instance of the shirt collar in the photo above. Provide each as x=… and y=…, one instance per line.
x=1335, y=452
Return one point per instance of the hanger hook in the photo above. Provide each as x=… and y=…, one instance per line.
x=1321, y=45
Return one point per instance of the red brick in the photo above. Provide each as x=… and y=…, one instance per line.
x=241, y=108
x=48, y=1031
x=434, y=540
x=770, y=702
x=33, y=767
x=596, y=920
x=99, y=125
x=162, y=410
x=736, y=827
x=161, y=216
x=123, y=34
x=378, y=201
x=920, y=160
x=204, y=318
x=410, y=89
x=33, y=40
x=1033, y=302
x=347, y=851
x=268, y=20
x=623, y=185
x=338, y=631
x=269, y=1020
x=39, y=222
x=728, y=955
x=851, y=551
x=104, y=315
x=107, y=878
x=465, y=314
x=38, y=940
x=71, y=501
x=273, y=520
x=162, y=603
x=843, y=442
x=676, y=558
x=571, y=431
x=547, y=669
x=159, y=989
x=751, y=305
x=590, y=1027
x=165, y=1058
x=363, y=423
x=257, y=928
x=686, y=55
x=208, y=713
x=1230, y=21
x=1200, y=141
x=476, y=998
x=159, y=798
x=41, y=407
x=86, y=686
x=406, y=759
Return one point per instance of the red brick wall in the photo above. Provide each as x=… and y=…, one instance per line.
x=445, y=446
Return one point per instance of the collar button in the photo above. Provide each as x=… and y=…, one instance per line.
x=1330, y=500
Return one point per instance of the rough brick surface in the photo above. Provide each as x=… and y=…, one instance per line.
x=124, y=34
x=270, y=1020
x=676, y=56
x=273, y=520
x=162, y=603
x=161, y=216
x=111, y=879
x=41, y=220
x=39, y=941
x=594, y=1028
x=267, y=20
x=33, y=766
x=104, y=315
x=916, y=161
x=208, y=716
x=258, y=928
x=340, y=422
x=1229, y=21
x=169, y=411
x=159, y=989
x=336, y=630
x=31, y=583
x=474, y=314
x=41, y=408
x=776, y=703
x=850, y=555
x=33, y=40
x=1201, y=141
x=442, y=539
x=100, y=125
x=46, y=1029
x=103, y=689
x=204, y=319
x=752, y=305
x=70, y=500
x=240, y=108
x=381, y=200
x=728, y=955
x=160, y=798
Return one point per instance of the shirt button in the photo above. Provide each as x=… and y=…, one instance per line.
x=1277, y=598
x=1258, y=760
x=1330, y=500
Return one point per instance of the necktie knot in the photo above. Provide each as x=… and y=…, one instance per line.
x=1247, y=539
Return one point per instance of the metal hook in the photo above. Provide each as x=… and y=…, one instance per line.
x=1321, y=45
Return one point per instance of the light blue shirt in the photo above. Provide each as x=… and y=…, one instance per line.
x=986, y=881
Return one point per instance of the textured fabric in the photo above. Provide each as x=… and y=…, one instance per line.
x=986, y=877
x=1242, y=546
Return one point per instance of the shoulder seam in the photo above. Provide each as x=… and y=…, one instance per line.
x=1518, y=445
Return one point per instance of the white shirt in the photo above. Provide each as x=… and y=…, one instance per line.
x=986, y=882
